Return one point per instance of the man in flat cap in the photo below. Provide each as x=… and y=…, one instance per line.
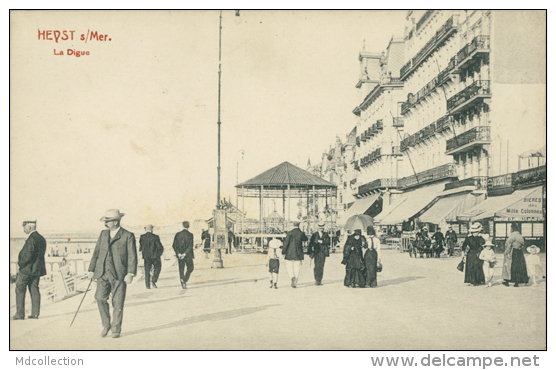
x=152, y=249
x=183, y=246
x=293, y=252
x=31, y=268
x=113, y=266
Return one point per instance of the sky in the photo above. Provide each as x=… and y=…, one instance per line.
x=133, y=126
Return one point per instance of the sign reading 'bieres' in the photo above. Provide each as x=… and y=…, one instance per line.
x=70, y=35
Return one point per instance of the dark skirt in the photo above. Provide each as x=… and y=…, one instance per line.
x=474, y=268
x=519, y=268
x=370, y=260
x=274, y=265
x=354, y=277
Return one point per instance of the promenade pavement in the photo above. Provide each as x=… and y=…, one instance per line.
x=419, y=304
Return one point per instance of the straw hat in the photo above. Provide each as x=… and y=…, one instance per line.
x=476, y=227
x=533, y=249
x=112, y=214
x=321, y=225
x=489, y=243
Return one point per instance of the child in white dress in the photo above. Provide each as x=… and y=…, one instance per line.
x=487, y=255
x=534, y=265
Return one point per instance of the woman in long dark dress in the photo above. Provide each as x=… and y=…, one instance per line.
x=514, y=259
x=473, y=245
x=370, y=258
x=353, y=259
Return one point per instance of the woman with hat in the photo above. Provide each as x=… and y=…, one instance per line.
x=514, y=268
x=353, y=259
x=472, y=246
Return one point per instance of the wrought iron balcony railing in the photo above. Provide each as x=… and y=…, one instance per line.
x=448, y=28
x=480, y=182
x=479, y=88
x=476, y=135
x=434, y=174
x=378, y=184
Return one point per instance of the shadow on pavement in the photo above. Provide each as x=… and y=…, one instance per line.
x=223, y=315
x=400, y=280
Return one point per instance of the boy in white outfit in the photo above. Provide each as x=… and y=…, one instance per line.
x=534, y=265
x=274, y=261
x=487, y=255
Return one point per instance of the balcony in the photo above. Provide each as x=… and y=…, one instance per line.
x=378, y=184
x=472, y=94
x=530, y=177
x=479, y=182
x=445, y=171
x=477, y=136
x=444, y=123
x=443, y=33
x=446, y=73
x=398, y=122
x=478, y=48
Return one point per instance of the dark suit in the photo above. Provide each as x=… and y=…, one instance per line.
x=152, y=249
x=293, y=245
x=112, y=260
x=183, y=243
x=451, y=240
x=319, y=250
x=31, y=268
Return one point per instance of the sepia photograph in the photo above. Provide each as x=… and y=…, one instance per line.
x=278, y=180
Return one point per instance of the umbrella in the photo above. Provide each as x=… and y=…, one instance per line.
x=359, y=222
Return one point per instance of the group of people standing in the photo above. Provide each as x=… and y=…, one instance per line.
x=433, y=246
x=480, y=259
x=362, y=259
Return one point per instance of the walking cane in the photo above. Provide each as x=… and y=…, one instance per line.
x=82, y=299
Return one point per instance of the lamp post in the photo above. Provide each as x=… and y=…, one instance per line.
x=219, y=217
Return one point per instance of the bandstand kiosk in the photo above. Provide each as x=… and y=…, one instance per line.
x=284, y=182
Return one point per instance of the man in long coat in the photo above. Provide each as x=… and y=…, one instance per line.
x=293, y=252
x=31, y=268
x=319, y=249
x=113, y=264
x=451, y=240
x=152, y=249
x=183, y=246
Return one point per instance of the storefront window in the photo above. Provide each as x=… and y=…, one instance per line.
x=501, y=230
x=527, y=230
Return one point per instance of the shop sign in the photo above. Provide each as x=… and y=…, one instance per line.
x=500, y=182
x=527, y=209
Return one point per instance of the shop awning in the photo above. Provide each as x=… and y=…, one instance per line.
x=469, y=202
x=359, y=207
x=441, y=208
x=524, y=205
x=411, y=204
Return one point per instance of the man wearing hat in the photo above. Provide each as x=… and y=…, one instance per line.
x=183, y=246
x=152, y=249
x=293, y=252
x=319, y=249
x=451, y=240
x=113, y=266
x=31, y=268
